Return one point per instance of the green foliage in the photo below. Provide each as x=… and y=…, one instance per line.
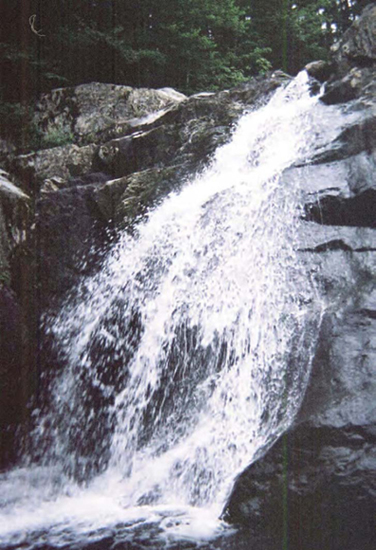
x=297, y=31
x=17, y=125
x=191, y=45
x=56, y=135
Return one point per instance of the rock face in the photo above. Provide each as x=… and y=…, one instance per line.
x=17, y=313
x=107, y=154
x=67, y=227
x=316, y=487
x=131, y=147
x=117, y=152
x=91, y=111
x=354, y=58
x=358, y=45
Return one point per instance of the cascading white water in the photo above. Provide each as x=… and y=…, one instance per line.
x=195, y=338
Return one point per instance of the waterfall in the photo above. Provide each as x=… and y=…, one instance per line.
x=189, y=353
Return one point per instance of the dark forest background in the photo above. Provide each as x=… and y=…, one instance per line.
x=191, y=45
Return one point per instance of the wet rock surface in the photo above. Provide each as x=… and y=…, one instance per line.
x=356, y=83
x=321, y=491
x=80, y=189
x=355, y=211
x=67, y=227
x=109, y=153
x=152, y=537
x=320, y=70
x=316, y=487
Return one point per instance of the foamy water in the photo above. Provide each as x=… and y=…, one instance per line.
x=211, y=320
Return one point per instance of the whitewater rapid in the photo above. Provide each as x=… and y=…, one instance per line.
x=188, y=354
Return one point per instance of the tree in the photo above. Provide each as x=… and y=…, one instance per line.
x=298, y=31
x=191, y=45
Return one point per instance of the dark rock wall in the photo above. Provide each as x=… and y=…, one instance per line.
x=316, y=487
x=18, y=316
x=110, y=152
x=82, y=193
x=11, y=329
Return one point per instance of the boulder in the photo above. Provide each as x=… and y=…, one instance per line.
x=358, y=82
x=316, y=487
x=62, y=162
x=354, y=61
x=320, y=70
x=88, y=110
x=358, y=44
x=320, y=486
x=73, y=122
x=189, y=132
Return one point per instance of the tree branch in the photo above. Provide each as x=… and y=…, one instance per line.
x=32, y=26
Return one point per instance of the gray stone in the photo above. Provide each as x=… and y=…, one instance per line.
x=354, y=62
x=90, y=110
x=15, y=333
x=71, y=239
x=358, y=44
x=358, y=82
x=14, y=214
x=316, y=486
x=320, y=70
x=61, y=162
